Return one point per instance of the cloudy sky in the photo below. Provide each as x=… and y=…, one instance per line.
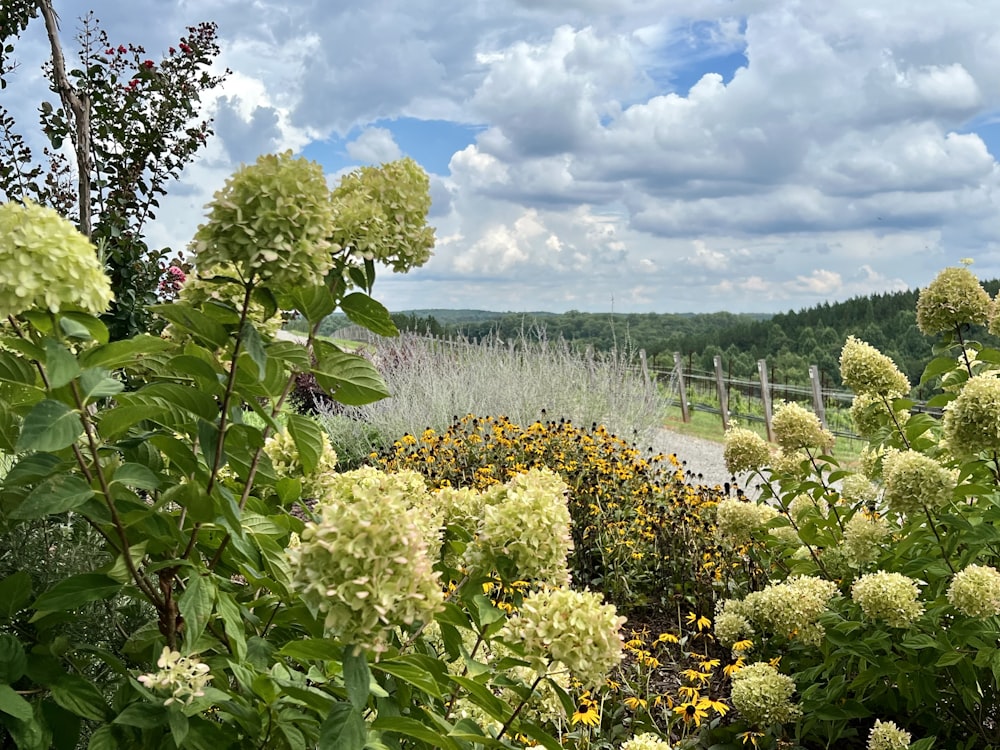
x=635, y=155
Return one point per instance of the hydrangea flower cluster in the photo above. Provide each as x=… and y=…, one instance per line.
x=914, y=482
x=972, y=420
x=763, y=695
x=381, y=214
x=745, y=450
x=802, y=506
x=953, y=299
x=366, y=566
x=527, y=522
x=185, y=678
x=885, y=735
x=869, y=414
x=47, y=263
x=889, y=597
x=731, y=623
x=864, y=534
x=646, y=741
x=795, y=428
x=575, y=628
x=857, y=489
x=271, y=221
x=284, y=455
x=791, y=608
x=736, y=520
x=975, y=591
x=865, y=370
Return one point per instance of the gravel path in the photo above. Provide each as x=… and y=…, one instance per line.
x=700, y=456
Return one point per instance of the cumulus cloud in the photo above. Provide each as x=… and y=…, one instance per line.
x=374, y=146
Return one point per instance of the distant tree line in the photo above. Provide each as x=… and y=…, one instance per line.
x=790, y=341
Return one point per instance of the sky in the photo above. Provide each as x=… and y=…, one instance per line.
x=615, y=155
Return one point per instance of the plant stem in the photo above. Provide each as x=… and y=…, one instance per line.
x=524, y=701
x=939, y=541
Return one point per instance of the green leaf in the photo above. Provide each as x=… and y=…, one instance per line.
x=96, y=382
x=314, y=302
x=949, y=658
x=32, y=468
x=15, y=591
x=254, y=347
x=348, y=378
x=142, y=715
x=136, y=475
x=126, y=352
x=76, y=590
x=357, y=677
x=13, y=660
x=49, y=426
x=103, y=739
x=10, y=428
x=423, y=672
x=936, y=367
x=294, y=354
x=57, y=494
x=311, y=649
x=343, y=728
x=195, y=605
x=60, y=365
x=79, y=697
x=179, y=726
x=14, y=705
x=414, y=728
x=308, y=438
x=369, y=313
x=14, y=369
x=233, y=623
x=194, y=322
x=80, y=325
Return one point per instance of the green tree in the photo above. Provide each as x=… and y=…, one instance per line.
x=133, y=124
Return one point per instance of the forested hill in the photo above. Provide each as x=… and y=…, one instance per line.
x=790, y=341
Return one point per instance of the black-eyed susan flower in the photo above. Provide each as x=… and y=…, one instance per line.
x=586, y=711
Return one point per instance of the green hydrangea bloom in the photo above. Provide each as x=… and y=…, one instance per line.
x=272, y=221
x=914, y=482
x=869, y=414
x=731, y=628
x=382, y=214
x=575, y=628
x=646, y=741
x=953, y=299
x=47, y=264
x=763, y=695
x=885, y=735
x=889, y=597
x=864, y=369
x=745, y=450
x=972, y=420
x=863, y=538
x=737, y=520
x=526, y=521
x=795, y=428
x=975, y=591
x=367, y=565
x=284, y=455
x=791, y=609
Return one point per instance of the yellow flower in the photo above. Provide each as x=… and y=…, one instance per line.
x=702, y=622
x=693, y=711
x=695, y=676
x=586, y=712
x=668, y=638
x=690, y=692
x=751, y=737
x=634, y=703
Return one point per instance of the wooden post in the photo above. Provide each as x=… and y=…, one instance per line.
x=765, y=397
x=720, y=385
x=681, y=389
x=817, y=394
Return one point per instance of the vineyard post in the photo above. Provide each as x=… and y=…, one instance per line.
x=765, y=397
x=681, y=390
x=720, y=385
x=817, y=392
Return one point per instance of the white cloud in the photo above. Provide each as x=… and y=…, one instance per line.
x=374, y=146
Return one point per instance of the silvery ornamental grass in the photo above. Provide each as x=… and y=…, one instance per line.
x=432, y=382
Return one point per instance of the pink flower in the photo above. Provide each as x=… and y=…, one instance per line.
x=185, y=48
x=148, y=64
x=121, y=49
x=173, y=51
x=109, y=51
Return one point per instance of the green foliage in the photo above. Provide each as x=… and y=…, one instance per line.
x=144, y=128
x=908, y=641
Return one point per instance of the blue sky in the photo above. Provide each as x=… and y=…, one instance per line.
x=748, y=155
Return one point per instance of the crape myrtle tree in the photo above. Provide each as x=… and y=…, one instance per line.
x=130, y=125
